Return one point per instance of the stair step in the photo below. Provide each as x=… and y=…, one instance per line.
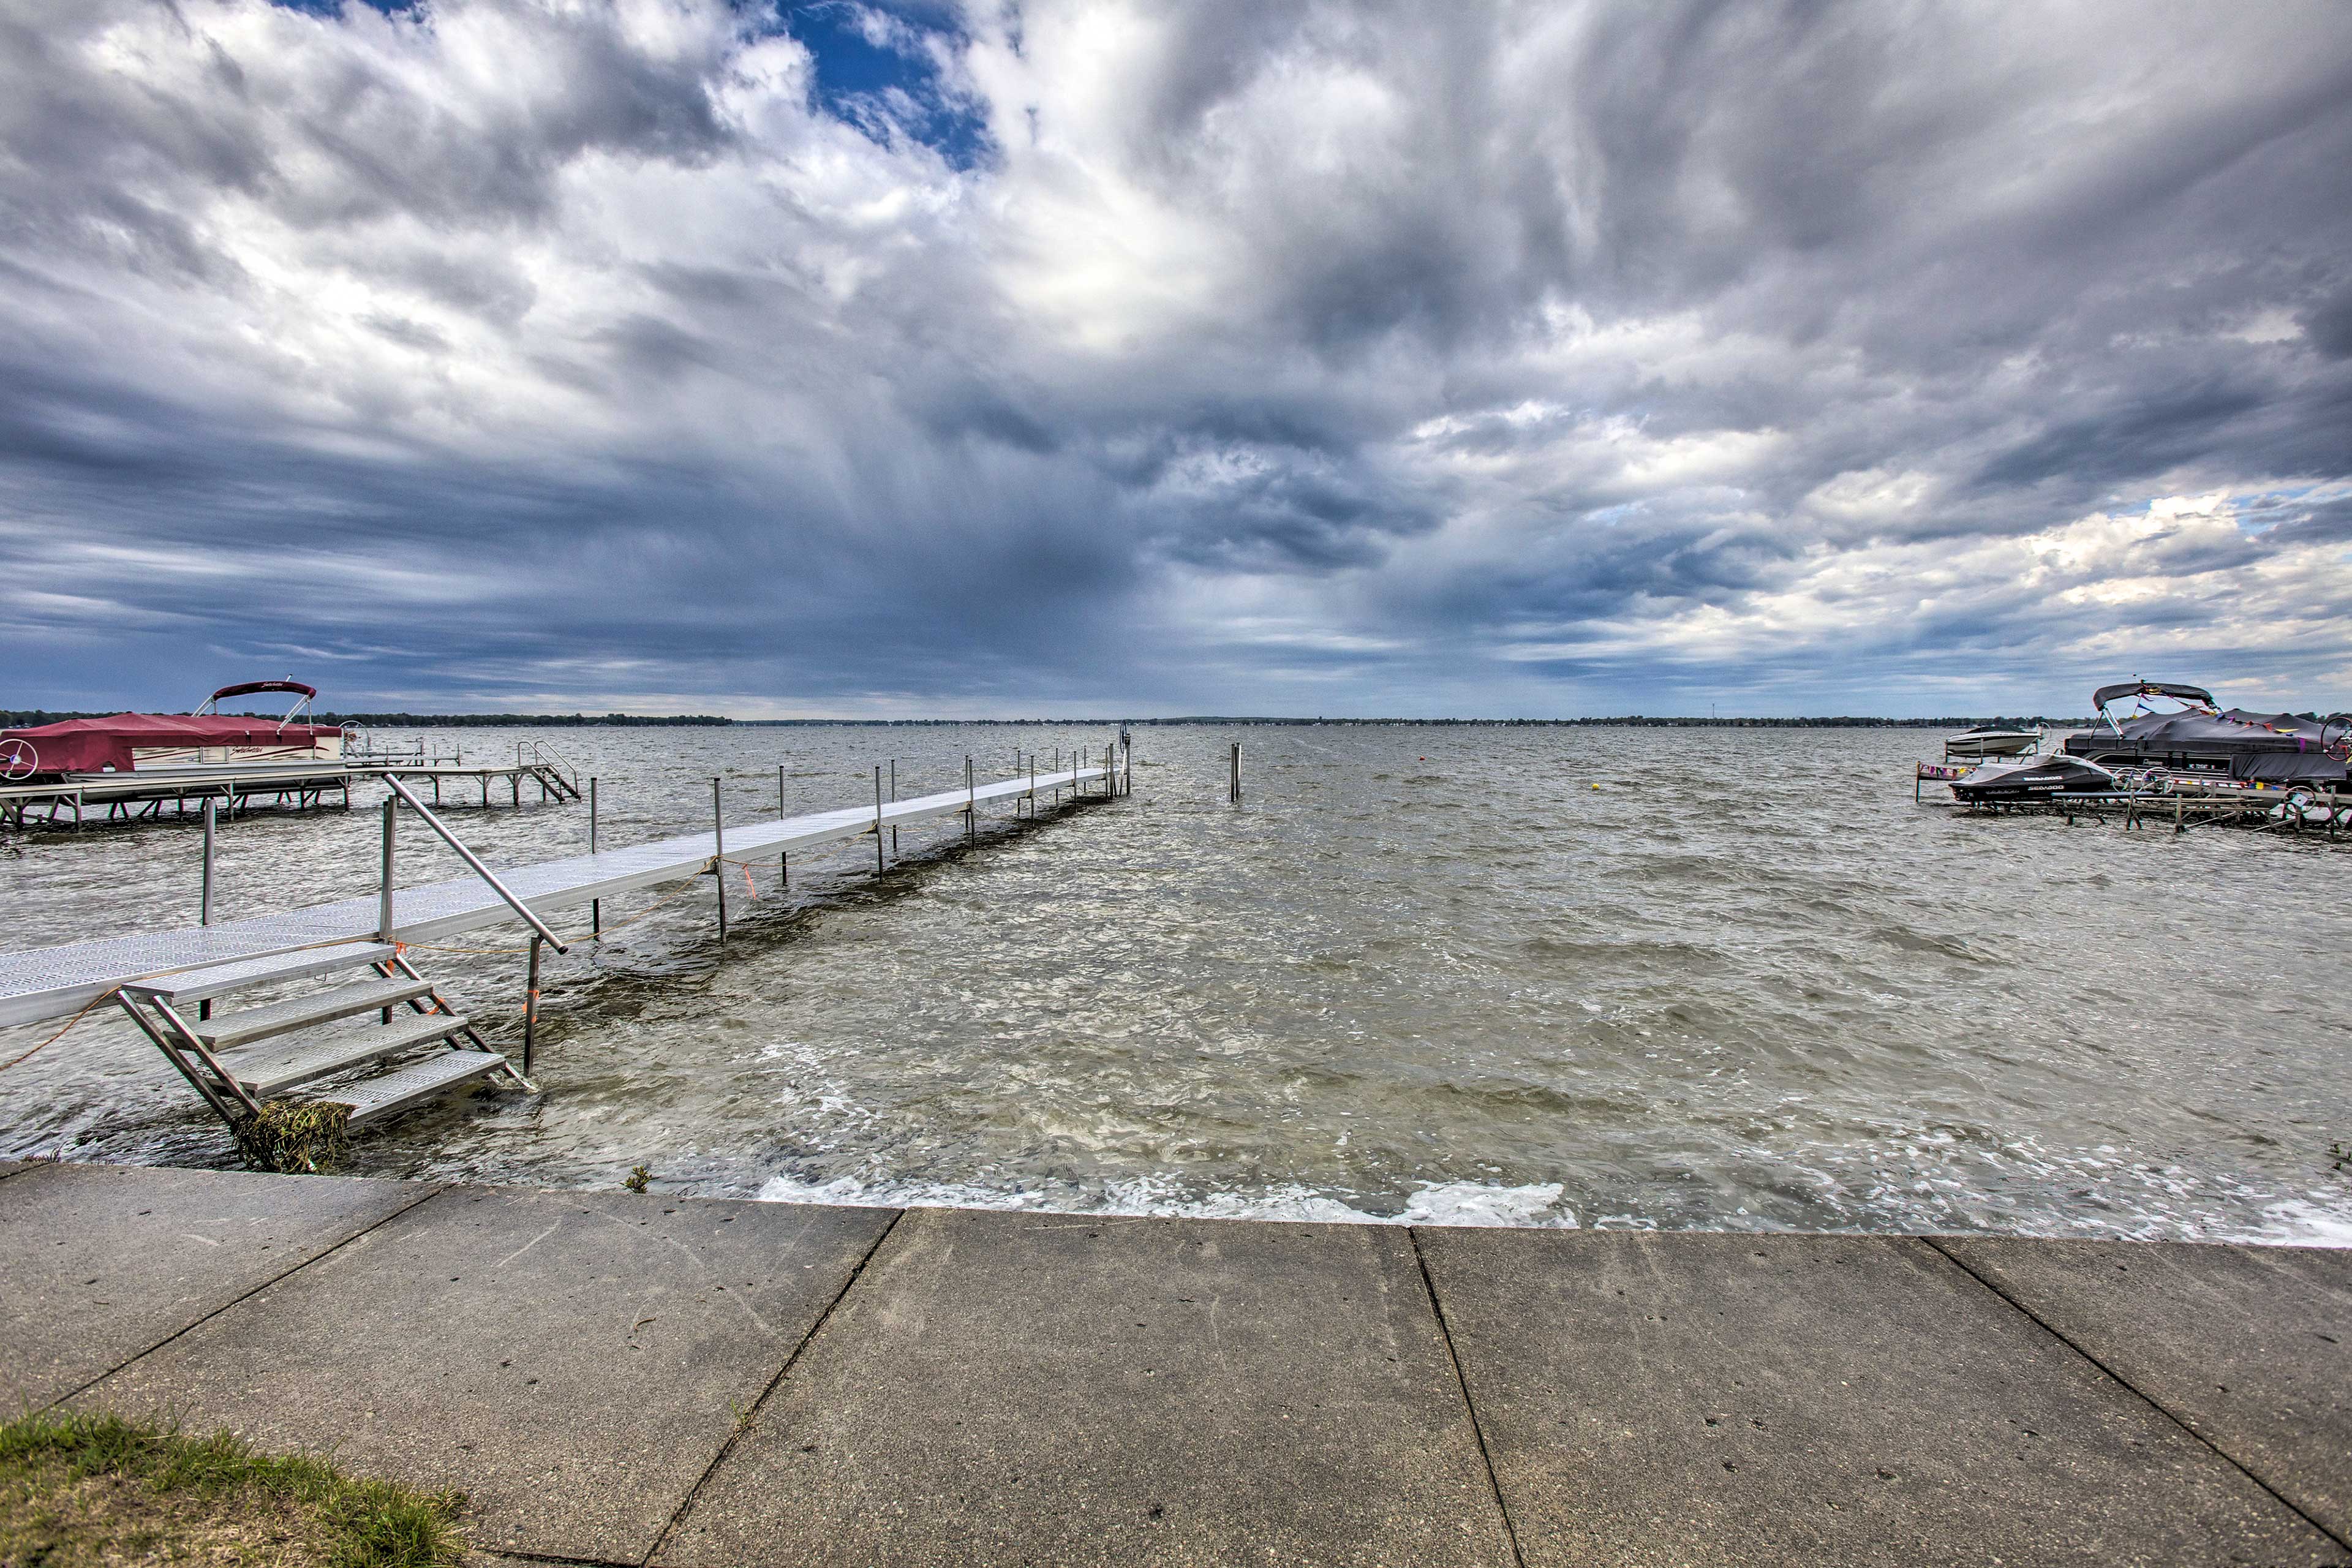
x=219, y=979
x=402, y=1087
x=300, y=1012
x=337, y=1052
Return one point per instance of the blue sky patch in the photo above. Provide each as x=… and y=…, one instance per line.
x=875, y=70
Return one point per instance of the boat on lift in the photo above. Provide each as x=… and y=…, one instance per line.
x=175, y=748
x=1993, y=741
x=2025, y=780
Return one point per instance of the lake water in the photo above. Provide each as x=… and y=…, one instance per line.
x=1429, y=974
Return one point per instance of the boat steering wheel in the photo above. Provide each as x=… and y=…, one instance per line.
x=18, y=760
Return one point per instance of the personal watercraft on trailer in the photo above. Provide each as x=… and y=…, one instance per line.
x=2040, y=778
x=2196, y=739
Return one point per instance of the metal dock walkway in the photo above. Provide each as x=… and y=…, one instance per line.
x=49, y=982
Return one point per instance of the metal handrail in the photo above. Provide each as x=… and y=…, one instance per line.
x=568, y=770
x=470, y=858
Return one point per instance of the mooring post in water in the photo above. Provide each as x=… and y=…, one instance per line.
x=894, y=800
x=971, y=798
x=531, y=1004
x=878, y=820
x=784, y=857
x=204, y=902
x=1236, y=789
x=718, y=859
x=596, y=906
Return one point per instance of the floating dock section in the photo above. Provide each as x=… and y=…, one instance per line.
x=50, y=982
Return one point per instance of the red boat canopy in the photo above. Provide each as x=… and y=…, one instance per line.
x=93, y=746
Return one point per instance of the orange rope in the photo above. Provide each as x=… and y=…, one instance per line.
x=69, y=1023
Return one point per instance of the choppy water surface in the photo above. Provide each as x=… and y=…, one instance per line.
x=1423, y=973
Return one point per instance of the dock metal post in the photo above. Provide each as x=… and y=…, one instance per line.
x=1033, y=783
x=205, y=904
x=596, y=906
x=531, y=1004
x=894, y=800
x=718, y=859
x=878, y=819
x=972, y=798
x=1236, y=788
x=204, y=901
x=383, y=898
x=784, y=857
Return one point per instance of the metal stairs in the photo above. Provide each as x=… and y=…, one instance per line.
x=417, y=1047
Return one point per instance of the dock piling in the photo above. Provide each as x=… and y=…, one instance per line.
x=894, y=800
x=383, y=898
x=531, y=1004
x=1235, y=796
x=971, y=799
x=784, y=857
x=204, y=899
x=596, y=906
x=878, y=819
x=718, y=858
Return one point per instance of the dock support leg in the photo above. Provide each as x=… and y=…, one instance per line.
x=383, y=896
x=1236, y=786
x=204, y=898
x=531, y=1003
x=970, y=800
x=877, y=821
x=719, y=857
x=894, y=800
x=596, y=906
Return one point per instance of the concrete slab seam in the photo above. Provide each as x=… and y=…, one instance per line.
x=2150, y=1400
x=1469, y=1406
x=751, y=1417
x=516, y=1555
x=432, y=1191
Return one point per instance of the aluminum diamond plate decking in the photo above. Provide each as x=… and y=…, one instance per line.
x=51, y=982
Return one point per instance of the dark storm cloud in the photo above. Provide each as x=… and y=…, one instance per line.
x=1351, y=358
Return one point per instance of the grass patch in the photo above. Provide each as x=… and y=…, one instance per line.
x=82, y=1490
x=290, y=1137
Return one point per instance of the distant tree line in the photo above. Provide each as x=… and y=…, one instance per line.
x=24, y=719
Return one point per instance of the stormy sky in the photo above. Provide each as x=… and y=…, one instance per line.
x=670, y=355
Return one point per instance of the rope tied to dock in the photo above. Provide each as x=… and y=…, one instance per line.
x=106, y=995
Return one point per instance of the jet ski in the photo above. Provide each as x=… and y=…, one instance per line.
x=2041, y=778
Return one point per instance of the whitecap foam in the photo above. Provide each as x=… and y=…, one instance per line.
x=1465, y=1204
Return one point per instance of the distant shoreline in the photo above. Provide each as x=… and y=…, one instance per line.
x=25, y=718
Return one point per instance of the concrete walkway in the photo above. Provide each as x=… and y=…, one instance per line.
x=626, y=1379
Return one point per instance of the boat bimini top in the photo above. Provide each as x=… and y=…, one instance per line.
x=305, y=696
x=2190, y=696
